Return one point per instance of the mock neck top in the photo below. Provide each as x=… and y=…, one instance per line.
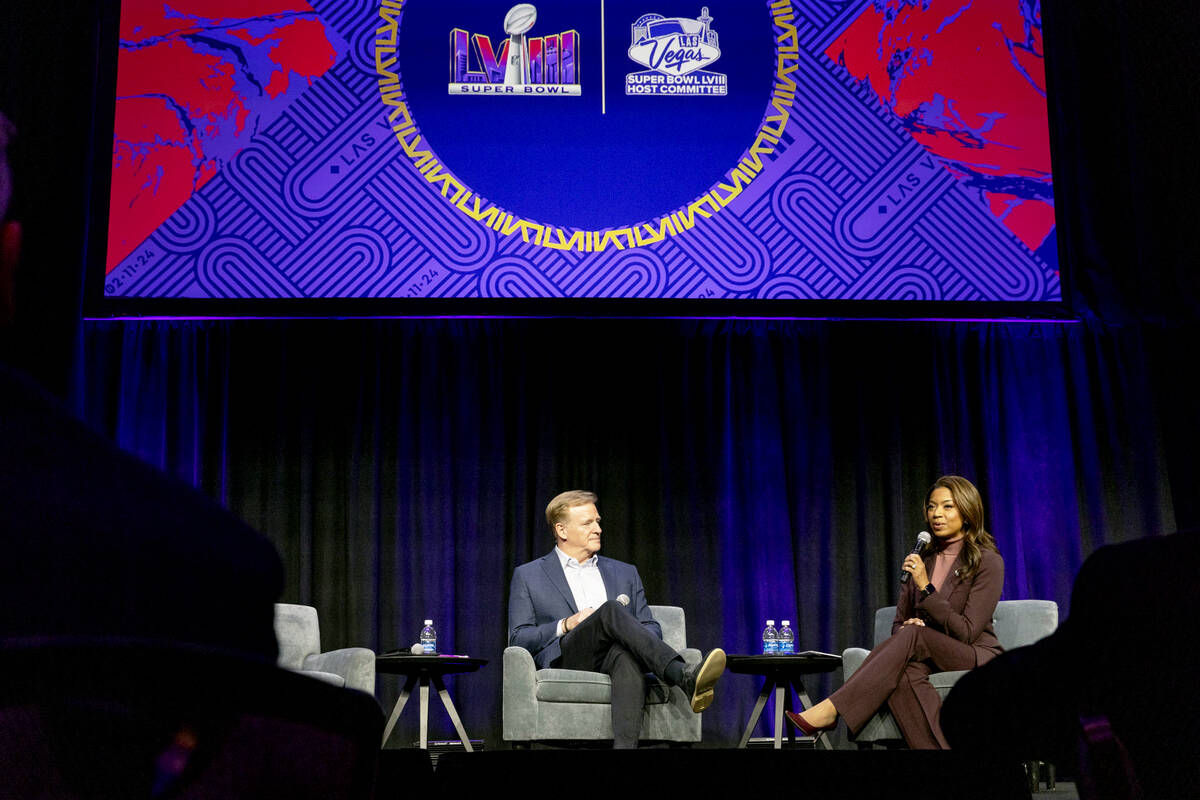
x=943, y=563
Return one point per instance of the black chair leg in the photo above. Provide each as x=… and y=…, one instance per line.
x=1038, y=771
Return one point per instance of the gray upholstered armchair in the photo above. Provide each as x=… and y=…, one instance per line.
x=574, y=705
x=299, y=639
x=1017, y=623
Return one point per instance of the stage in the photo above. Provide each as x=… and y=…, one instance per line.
x=801, y=773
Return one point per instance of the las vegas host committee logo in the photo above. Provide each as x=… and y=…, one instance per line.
x=676, y=50
x=540, y=66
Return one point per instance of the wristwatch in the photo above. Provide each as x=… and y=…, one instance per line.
x=928, y=590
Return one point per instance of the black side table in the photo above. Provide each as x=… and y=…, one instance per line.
x=424, y=670
x=781, y=672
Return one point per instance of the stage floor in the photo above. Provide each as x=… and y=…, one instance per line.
x=803, y=774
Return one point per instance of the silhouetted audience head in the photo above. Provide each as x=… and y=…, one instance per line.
x=1112, y=695
x=136, y=623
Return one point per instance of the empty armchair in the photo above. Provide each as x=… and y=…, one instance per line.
x=299, y=639
x=1017, y=623
x=575, y=705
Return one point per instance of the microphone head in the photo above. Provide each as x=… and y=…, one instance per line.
x=923, y=538
x=623, y=599
x=416, y=649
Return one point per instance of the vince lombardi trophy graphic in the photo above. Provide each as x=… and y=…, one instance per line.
x=517, y=22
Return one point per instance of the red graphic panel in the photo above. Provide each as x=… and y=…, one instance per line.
x=967, y=80
x=194, y=80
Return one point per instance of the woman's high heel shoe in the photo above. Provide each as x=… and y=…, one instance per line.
x=806, y=728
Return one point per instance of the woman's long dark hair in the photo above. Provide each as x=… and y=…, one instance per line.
x=966, y=498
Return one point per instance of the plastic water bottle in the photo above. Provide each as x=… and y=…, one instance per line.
x=770, y=639
x=428, y=639
x=787, y=639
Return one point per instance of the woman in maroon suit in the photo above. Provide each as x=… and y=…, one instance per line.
x=943, y=622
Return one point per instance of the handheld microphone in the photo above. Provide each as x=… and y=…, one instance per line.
x=923, y=539
x=623, y=599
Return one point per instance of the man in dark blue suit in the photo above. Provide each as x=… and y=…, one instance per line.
x=575, y=610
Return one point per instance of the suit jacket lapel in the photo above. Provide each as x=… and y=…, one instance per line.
x=554, y=572
x=609, y=576
x=953, y=581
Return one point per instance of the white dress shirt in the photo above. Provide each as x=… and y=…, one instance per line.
x=587, y=585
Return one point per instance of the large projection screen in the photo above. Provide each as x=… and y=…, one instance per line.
x=463, y=156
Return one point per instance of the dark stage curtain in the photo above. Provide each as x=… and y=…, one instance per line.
x=750, y=470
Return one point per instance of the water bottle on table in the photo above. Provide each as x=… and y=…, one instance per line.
x=770, y=639
x=787, y=639
x=428, y=639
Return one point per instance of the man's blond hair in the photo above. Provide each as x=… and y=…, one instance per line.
x=558, y=509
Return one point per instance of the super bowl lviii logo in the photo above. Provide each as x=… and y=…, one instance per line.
x=676, y=50
x=521, y=66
